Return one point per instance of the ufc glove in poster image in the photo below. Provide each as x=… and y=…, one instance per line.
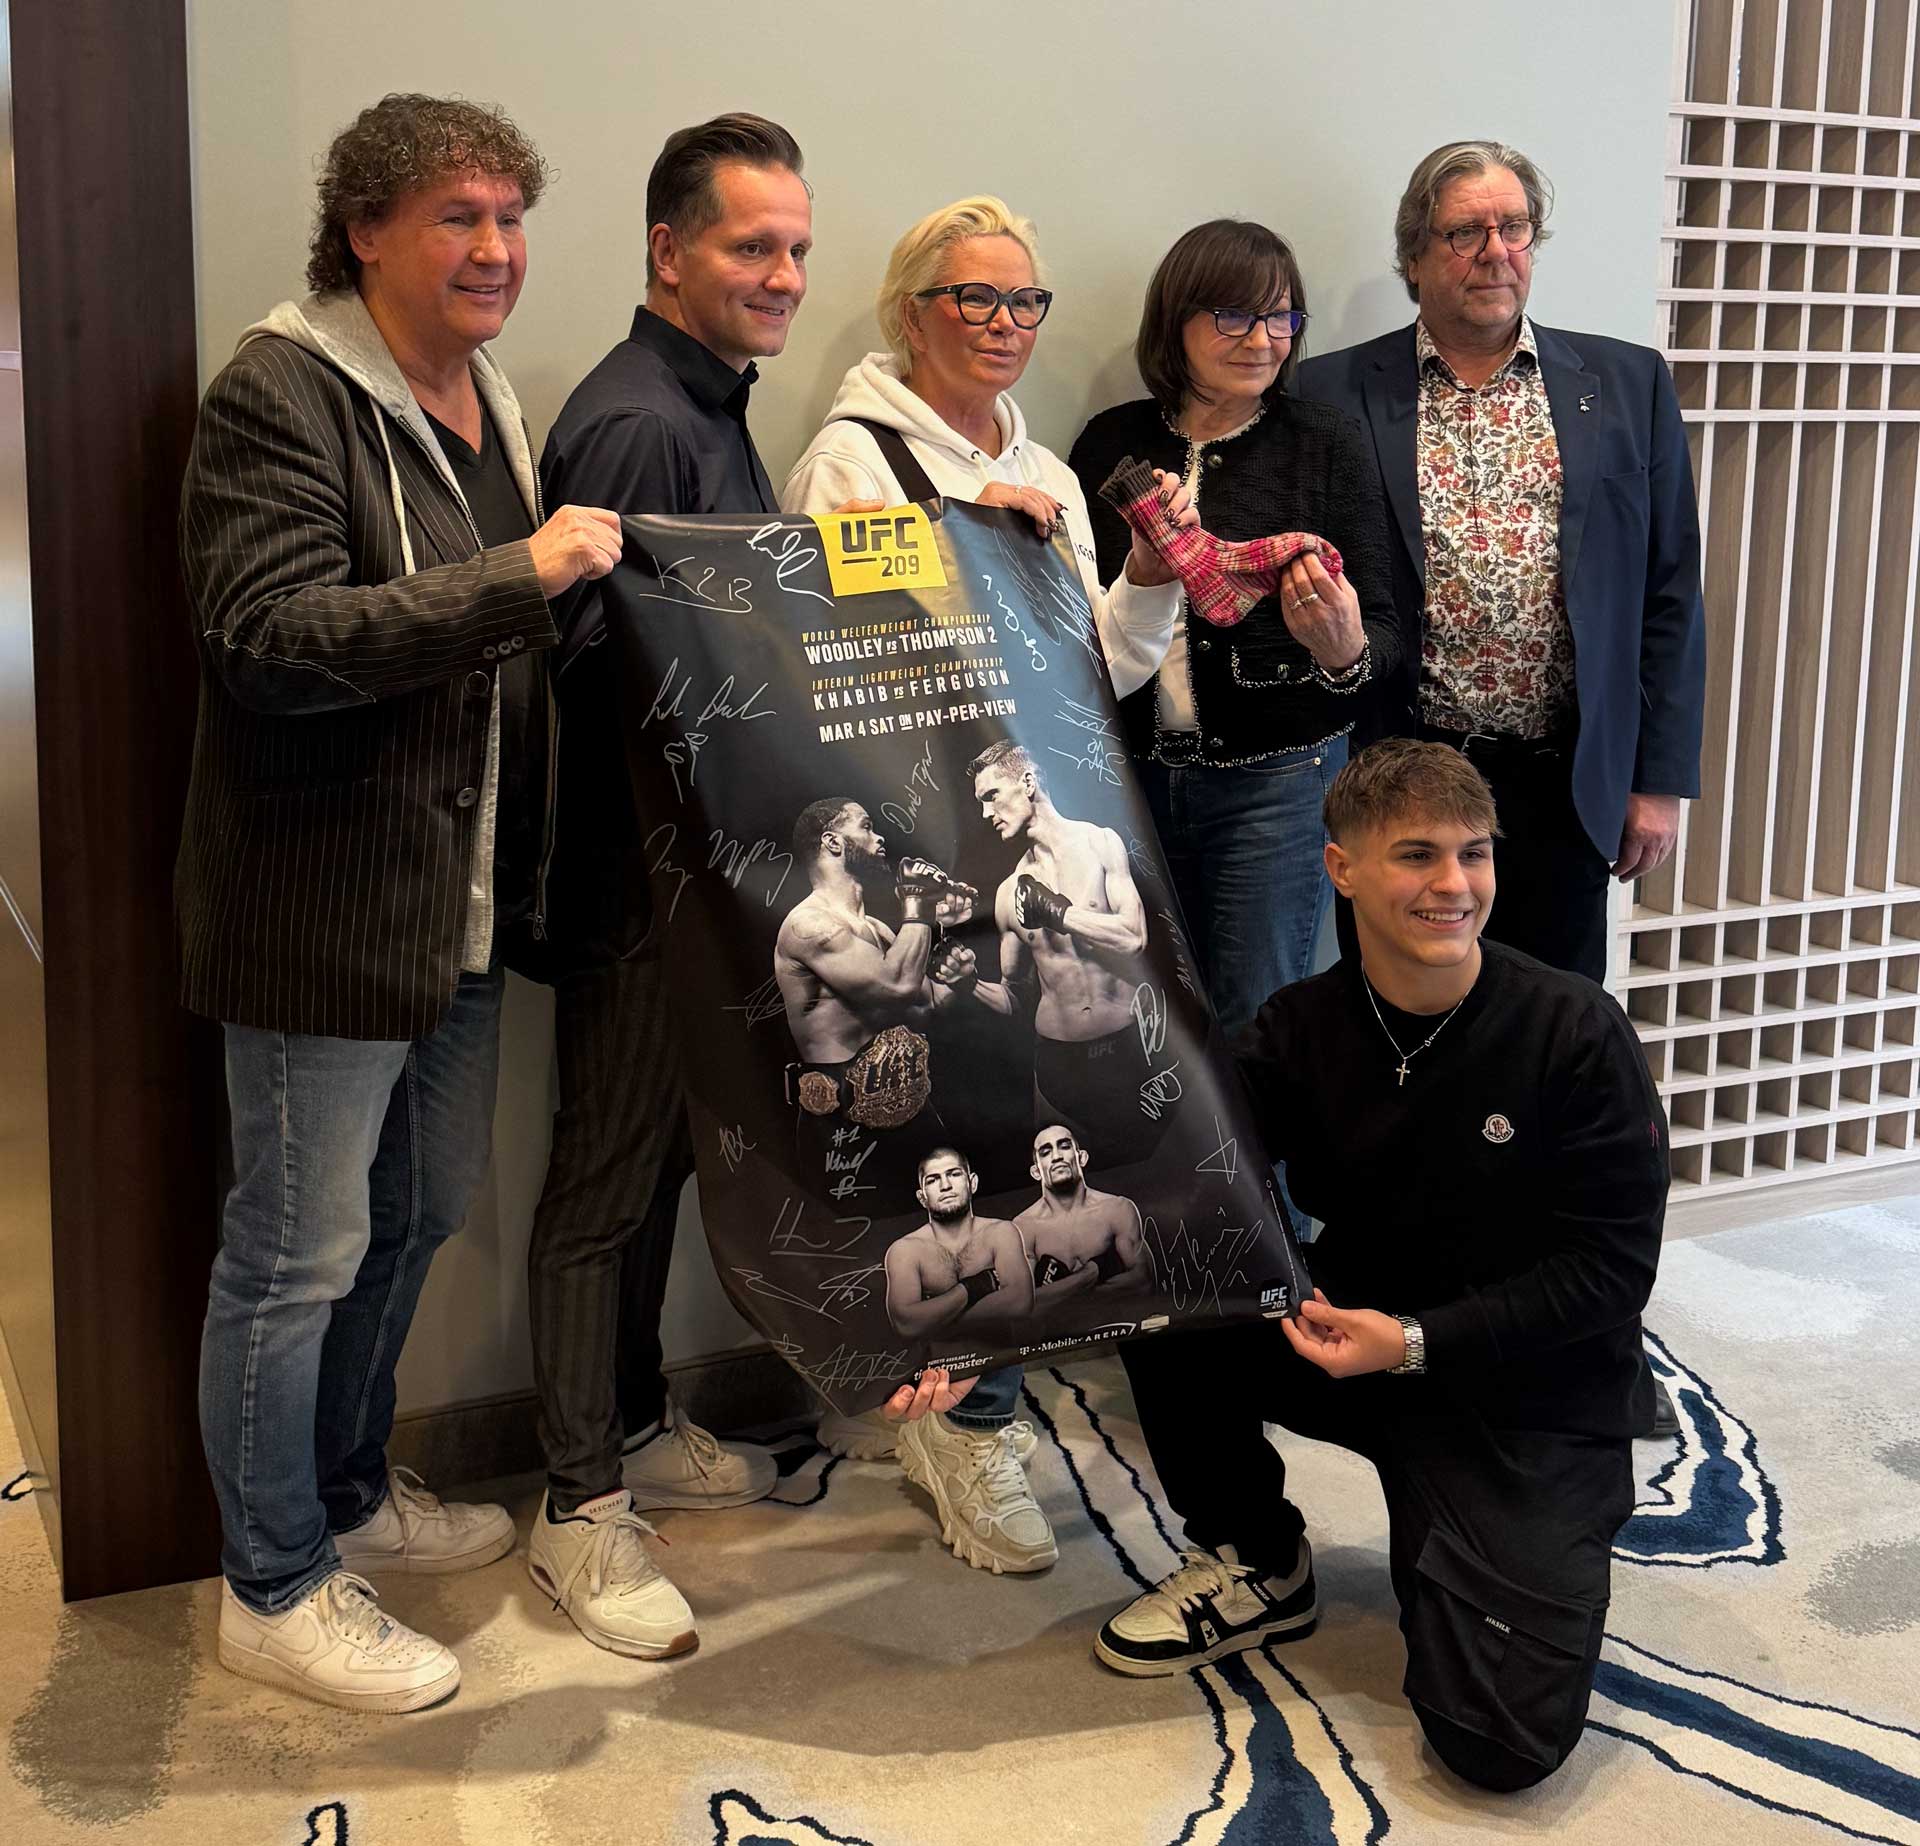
x=955, y=1091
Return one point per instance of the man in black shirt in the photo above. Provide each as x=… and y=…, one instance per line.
x=1481, y=1137
x=658, y=426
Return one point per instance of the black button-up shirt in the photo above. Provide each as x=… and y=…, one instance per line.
x=658, y=426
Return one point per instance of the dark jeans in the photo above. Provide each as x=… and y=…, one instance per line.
x=1244, y=847
x=1499, y=1540
x=353, y=1160
x=603, y=1232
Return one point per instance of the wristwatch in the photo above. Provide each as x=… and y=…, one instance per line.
x=1416, y=1359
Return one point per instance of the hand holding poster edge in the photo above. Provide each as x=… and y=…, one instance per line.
x=953, y=714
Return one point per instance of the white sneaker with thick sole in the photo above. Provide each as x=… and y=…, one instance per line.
x=415, y=1531
x=595, y=1566
x=986, y=1510
x=874, y=1436
x=1212, y=1606
x=335, y=1645
x=681, y=1465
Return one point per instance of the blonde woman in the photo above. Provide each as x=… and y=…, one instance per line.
x=960, y=308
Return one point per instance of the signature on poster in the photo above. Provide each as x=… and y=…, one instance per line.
x=735, y=1147
x=1160, y=1092
x=1225, y=1158
x=791, y=554
x=1150, y=1019
x=671, y=699
x=734, y=861
x=664, y=866
x=684, y=752
x=764, y=1003
x=920, y=784
x=1086, y=718
x=1192, y=1268
x=1096, y=757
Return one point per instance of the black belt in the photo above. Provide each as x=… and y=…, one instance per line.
x=1500, y=746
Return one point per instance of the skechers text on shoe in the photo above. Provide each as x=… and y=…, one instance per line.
x=595, y=1565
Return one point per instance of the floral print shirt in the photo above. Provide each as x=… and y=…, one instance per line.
x=1497, y=654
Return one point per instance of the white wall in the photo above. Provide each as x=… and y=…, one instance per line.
x=1116, y=126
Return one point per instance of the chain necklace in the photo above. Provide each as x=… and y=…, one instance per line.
x=1405, y=1056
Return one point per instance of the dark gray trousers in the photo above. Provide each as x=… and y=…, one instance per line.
x=603, y=1232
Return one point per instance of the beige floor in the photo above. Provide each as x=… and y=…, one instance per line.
x=854, y=1683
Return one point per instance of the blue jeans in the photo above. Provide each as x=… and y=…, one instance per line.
x=1243, y=845
x=991, y=1403
x=353, y=1160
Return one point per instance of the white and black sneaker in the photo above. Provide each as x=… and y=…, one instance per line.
x=1211, y=1606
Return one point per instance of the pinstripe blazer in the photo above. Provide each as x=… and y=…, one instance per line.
x=339, y=757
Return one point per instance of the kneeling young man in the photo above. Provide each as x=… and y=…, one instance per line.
x=1480, y=1135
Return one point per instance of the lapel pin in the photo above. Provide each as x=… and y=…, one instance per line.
x=1586, y=402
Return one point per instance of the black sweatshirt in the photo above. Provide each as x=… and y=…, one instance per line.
x=1509, y=1195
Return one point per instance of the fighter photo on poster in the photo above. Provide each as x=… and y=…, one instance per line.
x=955, y=1091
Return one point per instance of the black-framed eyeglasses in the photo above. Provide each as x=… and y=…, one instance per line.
x=1237, y=323
x=979, y=302
x=1471, y=239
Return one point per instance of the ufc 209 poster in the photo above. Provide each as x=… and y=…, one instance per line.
x=955, y=1091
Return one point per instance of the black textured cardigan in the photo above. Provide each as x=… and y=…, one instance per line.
x=1302, y=468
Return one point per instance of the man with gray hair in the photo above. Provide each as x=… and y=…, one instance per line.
x=1547, y=574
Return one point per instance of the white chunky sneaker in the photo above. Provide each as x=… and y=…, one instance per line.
x=335, y=1645
x=596, y=1567
x=681, y=1465
x=873, y=1436
x=1211, y=1606
x=980, y=1494
x=417, y=1532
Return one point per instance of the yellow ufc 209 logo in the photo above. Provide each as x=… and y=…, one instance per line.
x=890, y=550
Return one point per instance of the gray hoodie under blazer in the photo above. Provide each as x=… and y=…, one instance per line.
x=350, y=631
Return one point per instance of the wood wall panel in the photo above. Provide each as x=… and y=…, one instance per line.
x=108, y=372
x=1774, y=974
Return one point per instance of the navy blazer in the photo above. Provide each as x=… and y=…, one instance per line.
x=1629, y=554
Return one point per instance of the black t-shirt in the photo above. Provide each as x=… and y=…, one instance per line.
x=502, y=518
x=1509, y=1194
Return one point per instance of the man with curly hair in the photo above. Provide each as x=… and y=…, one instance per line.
x=370, y=573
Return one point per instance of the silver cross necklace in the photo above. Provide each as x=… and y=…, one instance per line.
x=1405, y=1056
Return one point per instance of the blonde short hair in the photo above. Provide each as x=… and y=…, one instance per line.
x=921, y=254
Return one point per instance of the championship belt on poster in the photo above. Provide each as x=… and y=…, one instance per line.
x=956, y=1094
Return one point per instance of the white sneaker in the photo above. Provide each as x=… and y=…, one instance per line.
x=873, y=1436
x=980, y=1494
x=594, y=1566
x=336, y=1646
x=682, y=1465
x=416, y=1532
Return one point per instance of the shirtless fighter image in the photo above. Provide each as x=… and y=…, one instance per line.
x=1071, y=921
x=855, y=989
x=960, y=1282
x=1080, y=1240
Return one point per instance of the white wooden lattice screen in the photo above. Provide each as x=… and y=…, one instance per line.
x=1773, y=969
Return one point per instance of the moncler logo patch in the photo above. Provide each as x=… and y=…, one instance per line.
x=1498, y=1129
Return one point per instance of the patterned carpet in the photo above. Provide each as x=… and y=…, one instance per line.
x=856, y=1685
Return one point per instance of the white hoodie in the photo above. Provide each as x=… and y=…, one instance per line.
x=844, y=463
x=336, y=327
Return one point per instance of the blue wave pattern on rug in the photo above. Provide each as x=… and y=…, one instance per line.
x=1855, y=1775
x=1285, y=1775
x=1712, y=1503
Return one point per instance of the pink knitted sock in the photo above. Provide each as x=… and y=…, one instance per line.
x=1223, y=579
